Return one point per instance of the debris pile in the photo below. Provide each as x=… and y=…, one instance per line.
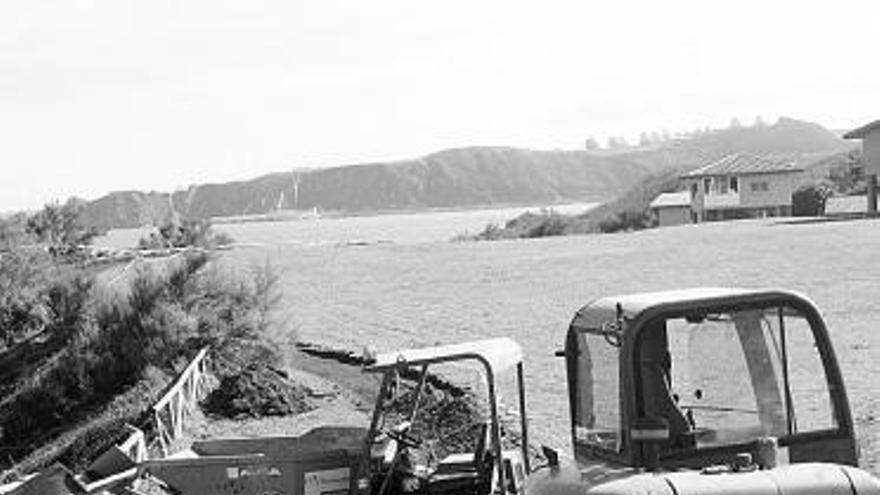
x=257, y=391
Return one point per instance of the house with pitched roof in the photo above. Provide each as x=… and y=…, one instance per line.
x=870, y=136
x=742, y=186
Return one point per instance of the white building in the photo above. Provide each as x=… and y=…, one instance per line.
x=672, y=208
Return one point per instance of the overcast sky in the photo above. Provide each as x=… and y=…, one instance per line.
x=154, y=94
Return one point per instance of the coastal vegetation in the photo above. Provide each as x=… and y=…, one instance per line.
x=82, y=354
x=90, y=350
x=627, y=212
x=182, y=233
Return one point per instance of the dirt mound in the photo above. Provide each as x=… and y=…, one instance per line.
x=257, y=391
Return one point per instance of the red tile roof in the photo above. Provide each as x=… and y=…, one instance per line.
x=744, y=164
x=862, y=131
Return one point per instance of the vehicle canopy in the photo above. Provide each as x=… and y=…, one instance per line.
x=495, y=357
x=723, y=368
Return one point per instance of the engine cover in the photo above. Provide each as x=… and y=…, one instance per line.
x=796, y=479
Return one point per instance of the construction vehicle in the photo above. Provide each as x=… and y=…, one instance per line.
x=381, y=460
x=705, y=391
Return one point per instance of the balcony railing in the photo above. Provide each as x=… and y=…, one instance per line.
x=716, y=201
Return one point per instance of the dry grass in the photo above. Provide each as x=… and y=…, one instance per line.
x=391, y=296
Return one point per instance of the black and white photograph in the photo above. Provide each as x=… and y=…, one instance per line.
x=439, y=247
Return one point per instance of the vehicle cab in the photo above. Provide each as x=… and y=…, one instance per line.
x=705, y=377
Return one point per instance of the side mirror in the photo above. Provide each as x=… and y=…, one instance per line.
x=650, y=432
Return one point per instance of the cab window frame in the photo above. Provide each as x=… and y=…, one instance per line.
x=841, y=414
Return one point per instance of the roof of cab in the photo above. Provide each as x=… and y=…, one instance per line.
x=498, y=354
x=604, y=310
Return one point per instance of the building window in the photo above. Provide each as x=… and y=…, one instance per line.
x=758, y=186
x=734, y=184
x=693, y=190
x=707, y=183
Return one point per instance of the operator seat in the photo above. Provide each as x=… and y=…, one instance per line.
x=465, y=473
x=655, y=366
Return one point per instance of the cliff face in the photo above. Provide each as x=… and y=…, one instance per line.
x=462, y=177
x=127, y=209
x=477, y=176
x=468, y=177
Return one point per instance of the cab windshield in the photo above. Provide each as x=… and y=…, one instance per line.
x=718, y=378
x=729, y=378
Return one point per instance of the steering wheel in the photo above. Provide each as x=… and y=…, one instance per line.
x=398, y=434
x=403, y=438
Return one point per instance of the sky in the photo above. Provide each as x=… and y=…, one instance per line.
x=105, y=95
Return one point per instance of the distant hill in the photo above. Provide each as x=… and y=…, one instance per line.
x=475, y=176
x=454, y=178
x=786, y=136
x=127, y=209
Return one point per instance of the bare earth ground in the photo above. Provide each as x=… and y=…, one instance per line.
x=336, y=405
x=339, y=394
x=391, y=296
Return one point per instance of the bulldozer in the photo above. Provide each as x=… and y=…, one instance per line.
x=709, y=390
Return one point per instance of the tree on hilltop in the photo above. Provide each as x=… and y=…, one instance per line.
x=617, y=142
x=59, y=225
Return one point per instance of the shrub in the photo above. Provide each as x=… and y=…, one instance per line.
x=12, y=231
x=550, y=225
x=186, y=233
x=491, y=232
x=171, y=309
x=624, y=221
x=809, y=200
x=78, y=446
x=25, y=279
